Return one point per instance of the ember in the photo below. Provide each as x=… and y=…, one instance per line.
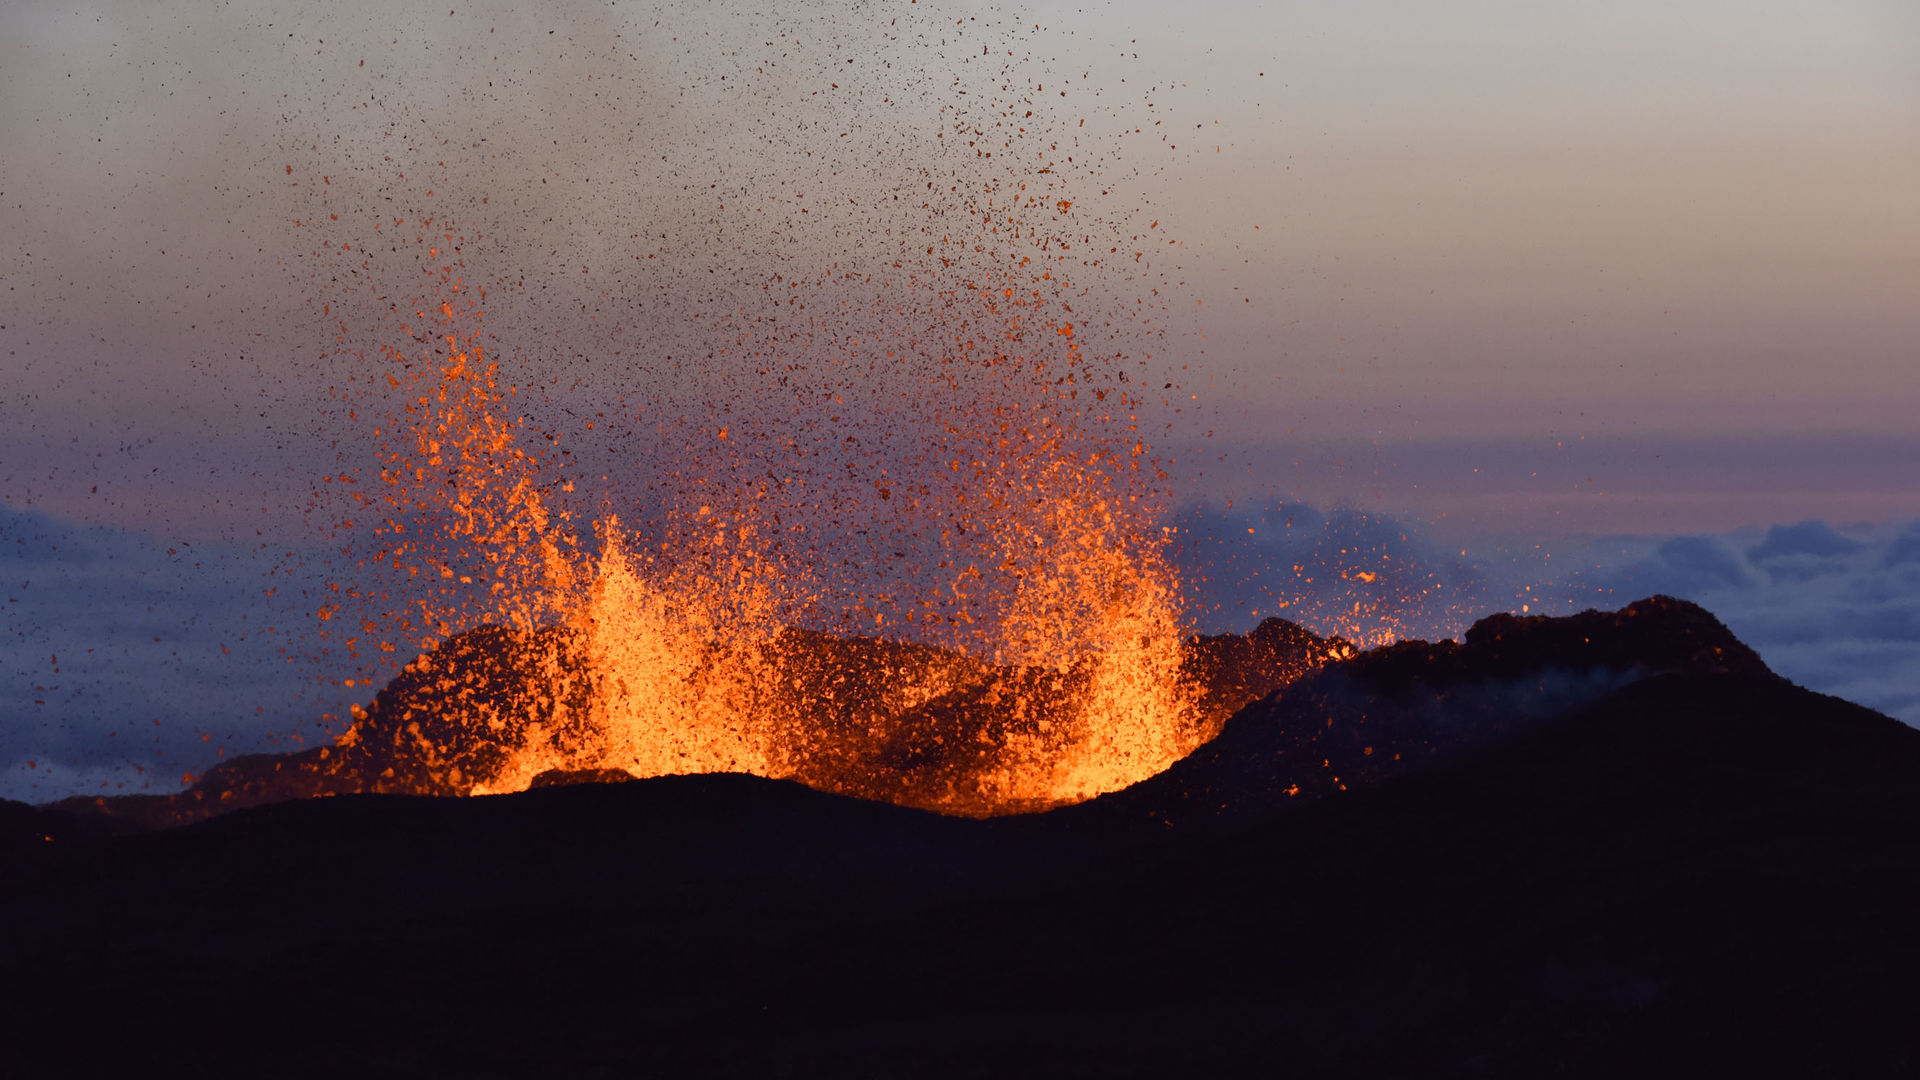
x=880, y=514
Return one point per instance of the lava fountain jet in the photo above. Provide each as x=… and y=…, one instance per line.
x=883, y=514
x=1056, y=640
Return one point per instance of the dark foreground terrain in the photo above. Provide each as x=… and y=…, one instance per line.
x=1606, y=847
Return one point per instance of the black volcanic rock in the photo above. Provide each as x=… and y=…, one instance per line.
x=448, y=720
x=1695, y=869
x=23, y=826
x=568, y=777
x=1652, y=635
x=1408, y=704
x=1347, y=719
x=1232, y=670
x=412, y=739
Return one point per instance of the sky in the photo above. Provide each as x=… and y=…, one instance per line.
x=1518, y=280
x=1651, y=225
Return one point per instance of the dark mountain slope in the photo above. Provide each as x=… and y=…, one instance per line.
x=1704, y=870
x=453, y=716
x=1404, y=706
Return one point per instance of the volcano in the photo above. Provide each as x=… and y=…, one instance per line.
x=1584, y=846
x=891, y=721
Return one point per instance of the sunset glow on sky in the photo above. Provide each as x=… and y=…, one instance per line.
x=1553, y=305
x=1409, y=225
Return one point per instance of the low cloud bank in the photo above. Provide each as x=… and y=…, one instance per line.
x=130, y=660
x=1363, y=576
x=1834, y=608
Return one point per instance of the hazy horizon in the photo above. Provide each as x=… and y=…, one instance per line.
x=1401, y=224
x=1630, y=284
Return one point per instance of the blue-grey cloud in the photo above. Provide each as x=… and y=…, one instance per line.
x=1815, y=539
x=1833, y=607
x=130, y=660
x=1341, y=571
x=1687, y=564
x=1905, y=548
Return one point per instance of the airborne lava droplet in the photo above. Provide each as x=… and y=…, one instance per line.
x=841, y=474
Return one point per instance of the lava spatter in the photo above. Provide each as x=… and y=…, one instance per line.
x=873, y=504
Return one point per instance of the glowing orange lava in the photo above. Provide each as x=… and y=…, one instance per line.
x=885, y=518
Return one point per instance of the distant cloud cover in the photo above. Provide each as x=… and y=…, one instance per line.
x=1834, y=608
x=129, y=659
x=1365, y=576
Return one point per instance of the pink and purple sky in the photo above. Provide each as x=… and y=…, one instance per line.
x=1627, y=284
x=1485, y=231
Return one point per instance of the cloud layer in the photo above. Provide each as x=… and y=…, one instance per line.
x=1364, y=576
x=1834, y=608
x=130, y=660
